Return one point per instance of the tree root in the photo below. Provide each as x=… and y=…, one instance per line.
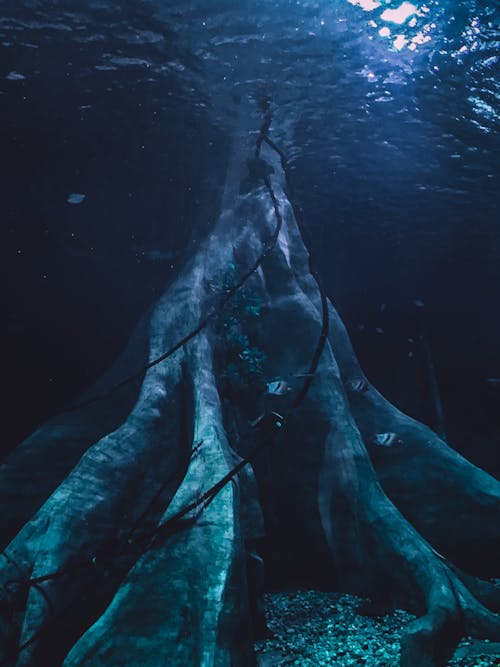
x=194, y=575
x=90, y=564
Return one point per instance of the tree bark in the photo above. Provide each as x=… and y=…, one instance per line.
x=99, y=568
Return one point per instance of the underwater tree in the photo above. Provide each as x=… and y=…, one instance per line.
x=129, y=521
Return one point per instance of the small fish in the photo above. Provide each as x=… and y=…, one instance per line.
x=410, y=354
x=493, y=380
x=379, y=330
x=15, y=76
x=386, y=439
x=382, y=307
x=359, y=386
x=75, y=198
x=278, y=388
x=410, y=340
x=419, y=303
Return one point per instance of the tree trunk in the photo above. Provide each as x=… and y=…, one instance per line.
x=118, y=552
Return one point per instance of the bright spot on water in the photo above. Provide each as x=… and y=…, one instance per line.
x=413, y=35
x=400, y=14
x=367, y=5
x=420, y=38
x=400, y=42
x=75, y=198
x=368, y=74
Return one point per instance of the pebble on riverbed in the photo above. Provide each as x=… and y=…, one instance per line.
x=315, y=629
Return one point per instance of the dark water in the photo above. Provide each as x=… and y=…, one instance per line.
x=394, y=146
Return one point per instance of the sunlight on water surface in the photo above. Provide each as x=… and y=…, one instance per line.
x=415, y=23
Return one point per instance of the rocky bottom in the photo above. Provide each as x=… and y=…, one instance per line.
x=315, y=628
